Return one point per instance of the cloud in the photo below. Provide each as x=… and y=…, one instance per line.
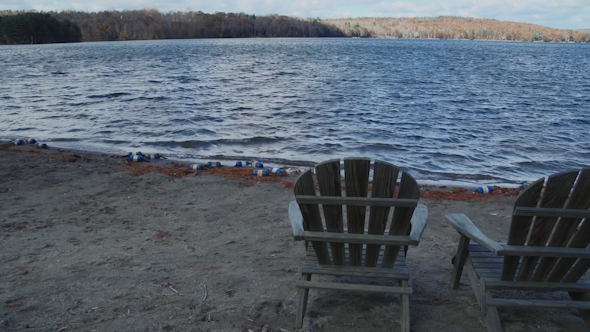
x=553, y=13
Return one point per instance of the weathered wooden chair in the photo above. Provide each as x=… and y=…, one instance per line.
x=547, y=249
x=342, y=245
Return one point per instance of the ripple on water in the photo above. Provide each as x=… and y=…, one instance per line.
x=110, y=95
x=447, y=110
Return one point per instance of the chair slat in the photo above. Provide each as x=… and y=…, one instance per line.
x=538, y=303
x=311, y=260
x=355, y=271
x=374, y=239
x=519, y=227
x=556, y=213
x=400, y=224
x=557, y=252
x=539, y=286
x=577, y=271
x=357, y=185
x=354, y=287
x=357, y=201
x=574, y=237
x=556, y=193
x=329, y=182
x=312, y=219
x=384, y=180
x=562, y=267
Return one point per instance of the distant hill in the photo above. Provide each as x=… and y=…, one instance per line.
x=452, y=27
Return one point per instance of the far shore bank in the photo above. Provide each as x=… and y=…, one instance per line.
x=347, y=37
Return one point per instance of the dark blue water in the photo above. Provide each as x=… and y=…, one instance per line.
x=479, y=112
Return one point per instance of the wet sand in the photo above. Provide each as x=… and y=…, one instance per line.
x=92, y=243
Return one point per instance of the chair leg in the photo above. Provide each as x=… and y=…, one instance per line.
x=490, y=313
x=302, y=305
x=404, y=309
x=579, y=296
x=459, y=261
x=491, y=317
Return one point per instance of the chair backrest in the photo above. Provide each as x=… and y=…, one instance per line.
x=548, y=218
x=373, y=201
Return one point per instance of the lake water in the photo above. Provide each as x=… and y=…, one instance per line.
x=464, y=111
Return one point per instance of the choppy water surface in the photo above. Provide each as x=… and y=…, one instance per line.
x=479, y=112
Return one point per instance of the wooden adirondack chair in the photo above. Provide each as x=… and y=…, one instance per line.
x=547, y=248
x=343, y=244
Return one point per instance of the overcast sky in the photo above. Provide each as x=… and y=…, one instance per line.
x=566, y=14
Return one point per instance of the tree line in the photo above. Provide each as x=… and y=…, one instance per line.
x=37, y=28
x=149, y=23
x=453, y=27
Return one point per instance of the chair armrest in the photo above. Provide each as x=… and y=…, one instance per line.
x=296, y=220
x=465, y=227
x=418, y=222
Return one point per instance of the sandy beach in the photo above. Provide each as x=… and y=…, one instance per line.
x=92, y=243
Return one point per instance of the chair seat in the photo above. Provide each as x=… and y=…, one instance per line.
x=488, y=267
x=485, y=263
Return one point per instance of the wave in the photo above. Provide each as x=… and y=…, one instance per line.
x=285, y=73
x=31, y=76
x=438, y=175
x=63, y=139
x=257, y=140
x=185, y=79
x=110, y=95
x=81, y=104
x=268, y=161
x=206, y=132
x=581, y=121
x=383, y=146
x=158, y=98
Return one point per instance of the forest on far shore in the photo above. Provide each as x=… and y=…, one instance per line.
x=37, y=28
x=150, y=23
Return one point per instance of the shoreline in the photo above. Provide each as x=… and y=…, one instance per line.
x=268, y=162
x=448, y=190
